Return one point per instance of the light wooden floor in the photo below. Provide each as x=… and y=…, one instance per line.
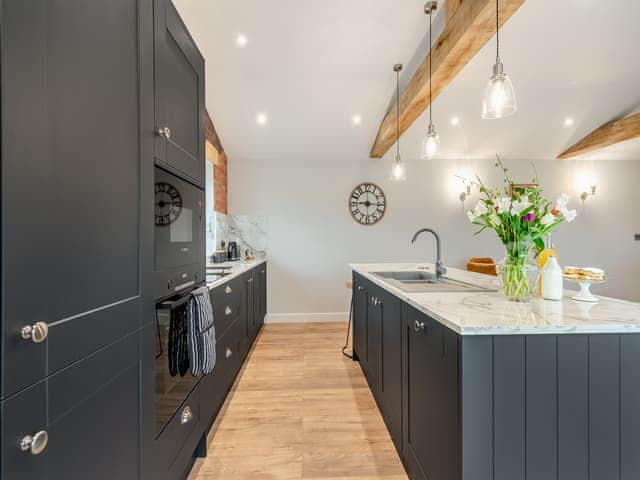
x=299, y=409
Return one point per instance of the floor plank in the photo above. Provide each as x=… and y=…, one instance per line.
x=299, y=410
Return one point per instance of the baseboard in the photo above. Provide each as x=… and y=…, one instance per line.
x=306, y=317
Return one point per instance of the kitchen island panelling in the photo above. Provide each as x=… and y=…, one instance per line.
x=493, y=390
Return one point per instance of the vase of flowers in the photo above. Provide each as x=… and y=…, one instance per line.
x=521, y=217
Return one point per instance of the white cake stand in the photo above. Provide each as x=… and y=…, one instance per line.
x=585, y=294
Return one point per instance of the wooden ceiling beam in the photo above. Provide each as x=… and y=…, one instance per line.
x=451, y=6
x=471, y=25
x=619, y=130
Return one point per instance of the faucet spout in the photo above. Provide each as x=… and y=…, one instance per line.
x=440, y=269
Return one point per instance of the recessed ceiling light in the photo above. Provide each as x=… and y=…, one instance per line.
x=356, y=119
x=455, y=121
x=261, y=118
x=568, y=122
x=241, y=40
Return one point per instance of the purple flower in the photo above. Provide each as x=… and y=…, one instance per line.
x=530, y=217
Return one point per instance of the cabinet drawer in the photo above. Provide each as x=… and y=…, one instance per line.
x=228, y=362
x=90, y=413
x=184, y=425
x=226, y=304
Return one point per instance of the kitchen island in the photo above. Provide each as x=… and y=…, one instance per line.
x=472, y=386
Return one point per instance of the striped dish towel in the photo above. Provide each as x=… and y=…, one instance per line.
x=202, y=333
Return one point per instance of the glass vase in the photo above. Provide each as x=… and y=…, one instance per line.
x=518, y=276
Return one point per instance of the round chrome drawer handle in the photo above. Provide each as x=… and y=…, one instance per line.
x=35, y=444
x=228, y=353
x=186, y=416
x=37, y=333
x=228, y=290
x=164, y=132
x=419, y=326
x=228, y=311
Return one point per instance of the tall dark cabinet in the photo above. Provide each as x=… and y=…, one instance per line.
x=77, y=156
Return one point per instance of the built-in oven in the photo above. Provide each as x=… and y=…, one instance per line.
x=174, y=381
x=179, y=235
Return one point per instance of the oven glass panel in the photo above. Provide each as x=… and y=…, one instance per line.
x=182, y=229
x=174, y=381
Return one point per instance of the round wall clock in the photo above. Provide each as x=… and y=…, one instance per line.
x=367, y=203
x=168, y=204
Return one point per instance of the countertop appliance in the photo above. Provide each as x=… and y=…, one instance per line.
x=179, y=235
x=232, y=251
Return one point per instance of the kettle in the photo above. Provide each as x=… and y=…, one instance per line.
x=232, y=251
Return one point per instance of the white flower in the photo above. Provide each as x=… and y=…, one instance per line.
x=561, y=202
x=481, y=208
x=503, y=204
x=520, y=205
x=472, y=215
x=548, y=219
x=569, y=215
x=494, y=219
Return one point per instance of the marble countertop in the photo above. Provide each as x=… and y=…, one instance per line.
x=490, y=313
x=236, y=268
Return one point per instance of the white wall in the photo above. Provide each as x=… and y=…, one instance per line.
x=312, y=237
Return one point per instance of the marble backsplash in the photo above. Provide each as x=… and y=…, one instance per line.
x=250, y=232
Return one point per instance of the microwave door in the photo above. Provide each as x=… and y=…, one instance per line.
x=178, y=240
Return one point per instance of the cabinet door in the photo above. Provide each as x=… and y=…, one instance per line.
x=179, y=94
x=360, y=319
x=72, y=91
x=251, y=305
x=257, y=300
x=431, y=443
x=91, y=415
x=391, y=365
x=374, y=341
x=262, y=293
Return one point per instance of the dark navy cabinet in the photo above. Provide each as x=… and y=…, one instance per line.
x=89, y=415
x=77, y=221
x=360, y=319
x=179, y=95
x=431, y=420
x=378, y=346
x=498, y=407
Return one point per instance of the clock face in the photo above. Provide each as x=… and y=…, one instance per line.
x=367, y=203
x=168, y=204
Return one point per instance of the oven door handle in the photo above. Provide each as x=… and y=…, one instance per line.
x=172, y=305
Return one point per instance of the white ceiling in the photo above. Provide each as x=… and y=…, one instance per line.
x=310, y=65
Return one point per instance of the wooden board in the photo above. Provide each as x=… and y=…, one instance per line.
x=620, y=130
x=466, y=32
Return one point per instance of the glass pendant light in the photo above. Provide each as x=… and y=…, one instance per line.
x=398, y=171
x=499, y=96
x=431, y=140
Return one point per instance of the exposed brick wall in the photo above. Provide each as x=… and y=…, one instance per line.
x=219, y=171
x=220, y=184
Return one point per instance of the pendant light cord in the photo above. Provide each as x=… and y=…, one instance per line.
x=397, y=115
x=430, y=52
x=497, y=31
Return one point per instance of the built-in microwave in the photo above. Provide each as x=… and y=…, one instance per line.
x=179, y=235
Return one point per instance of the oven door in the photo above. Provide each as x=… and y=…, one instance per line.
x=179, y=232
x=174, y=382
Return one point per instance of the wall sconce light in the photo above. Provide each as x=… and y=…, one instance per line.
x=586, y=184
x=466, y=188
x=586, y=194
